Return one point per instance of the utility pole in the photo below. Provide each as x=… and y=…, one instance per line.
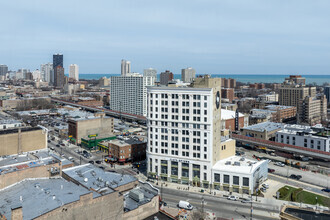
x=251, y=209
x=203, y=207
x=161, y=191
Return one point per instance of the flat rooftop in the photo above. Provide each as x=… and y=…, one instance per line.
x=97, y=179
x=17, y=162
x=146, y=192
x=39, y=196
x=278, y=107
x=265, y=126
x=125, y=142
x=228, y=114
x=237, y=164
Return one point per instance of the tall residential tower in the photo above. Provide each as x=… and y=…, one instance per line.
x=74, y=71
x=125, y=67
x=58, y=70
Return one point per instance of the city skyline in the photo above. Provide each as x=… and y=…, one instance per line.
x=227, y=38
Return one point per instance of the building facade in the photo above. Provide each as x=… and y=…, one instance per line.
x=305, y=136
x=291, y=95
x=327, y=93
x=81, y=128
x=129, y=93
x=188, y=75
x=312, y=110
x=74, y=71
x=18, y=140
x=238, y=174
x=166, y=77
x=58, y=70
x=150, y=72
x=228, y=93
x=271, y=97
x=184, y=127
x=3, y=70
x=265, y=130
x=228, y=83
x=125, y=67
x=47, y=72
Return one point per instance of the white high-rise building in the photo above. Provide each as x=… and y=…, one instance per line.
x=184, y=128
x=125, y=67
x=74, y=71
x=36, y=75
x=47, y=72
x=188, y=75
x=129, y=93
x=150, y=72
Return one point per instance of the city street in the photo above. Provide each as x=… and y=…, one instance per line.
x=221, y=206
x=316, y=179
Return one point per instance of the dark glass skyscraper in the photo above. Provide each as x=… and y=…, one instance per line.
x=57, y=60
x=58, y=70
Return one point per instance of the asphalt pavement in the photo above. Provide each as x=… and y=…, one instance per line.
x=221, y=206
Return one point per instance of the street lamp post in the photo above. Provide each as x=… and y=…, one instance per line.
x=251, y=209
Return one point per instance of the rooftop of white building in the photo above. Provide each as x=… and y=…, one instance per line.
x=268, y=126
x=227, y=114
x=277, y=107
x=237, y=164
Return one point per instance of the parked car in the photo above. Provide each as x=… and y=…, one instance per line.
x=326, y=190
x=296, y=177
x=63, y=145
x=265, y=185
x=91, y=162
x=248, y=200
x=263, y=189
x=280, y=164
x=185, y=205
x=271, y=170
x=101, y=167
x=57, y=145
x=98, y=162
x=48, y=141
x=233, y=198
x=52, y=148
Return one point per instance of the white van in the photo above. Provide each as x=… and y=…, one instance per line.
x=71, y=159
x=185, y=205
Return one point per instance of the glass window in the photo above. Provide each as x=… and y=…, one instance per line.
x=235, y=180
x=217, y=177
x=226, y=178
x=245, y=181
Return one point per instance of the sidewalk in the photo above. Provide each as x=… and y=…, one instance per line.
x=223, y=194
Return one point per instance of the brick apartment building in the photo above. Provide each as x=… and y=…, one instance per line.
x=129, y=150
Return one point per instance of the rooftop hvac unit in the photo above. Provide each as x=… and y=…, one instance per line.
x=136, y=195
x=237, y=163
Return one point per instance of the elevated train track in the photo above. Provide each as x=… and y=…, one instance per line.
x=112, y=113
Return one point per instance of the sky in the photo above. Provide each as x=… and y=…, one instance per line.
x=212, y=36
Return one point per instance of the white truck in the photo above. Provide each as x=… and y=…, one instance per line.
x=185, y=205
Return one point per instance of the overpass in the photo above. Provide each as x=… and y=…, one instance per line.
x=283, y=147
x=112, y=113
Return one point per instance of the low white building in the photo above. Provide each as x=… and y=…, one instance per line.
x=10, y=123
x=305, y=136
x=270, y=97
x=238, y=174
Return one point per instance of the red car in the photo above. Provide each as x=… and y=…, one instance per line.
x=271, y=170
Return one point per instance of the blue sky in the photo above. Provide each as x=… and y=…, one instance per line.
x=212, y=36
